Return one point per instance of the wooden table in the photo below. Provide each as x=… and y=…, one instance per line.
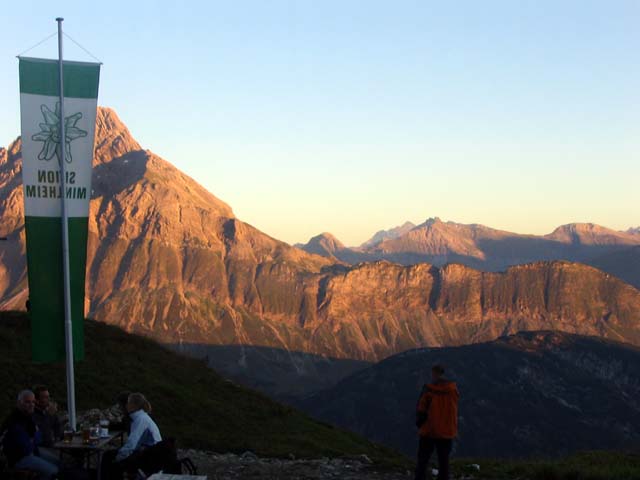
x=78, y=449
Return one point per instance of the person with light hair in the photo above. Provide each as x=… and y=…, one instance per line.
x=144, y=431
x=21, y=439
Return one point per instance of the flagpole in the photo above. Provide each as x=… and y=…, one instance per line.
x=68, y=333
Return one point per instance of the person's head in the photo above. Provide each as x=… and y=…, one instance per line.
x=123, y=399
x=437, y=372
x=41, y=393
x=26, y=402
x=137, y=401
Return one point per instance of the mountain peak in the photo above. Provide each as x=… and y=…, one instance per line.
x=581, y=227
x=327, y=236
x=113, y=139
x=589, y=234
x=325, y=244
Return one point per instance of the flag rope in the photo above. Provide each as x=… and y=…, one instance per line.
x=37, y=44
x=85, y=50
x=69, y=37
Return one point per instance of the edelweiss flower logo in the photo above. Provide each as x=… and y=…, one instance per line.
x=50, y=134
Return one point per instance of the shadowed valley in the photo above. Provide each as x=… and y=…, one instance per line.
x=533, y=394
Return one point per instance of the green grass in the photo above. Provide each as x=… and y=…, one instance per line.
x=599, y=465
x=190, y=401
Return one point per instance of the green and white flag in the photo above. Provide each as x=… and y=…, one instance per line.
x=41, y=172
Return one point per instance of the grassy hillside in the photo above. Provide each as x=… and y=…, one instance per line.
x=599, y=465
x=190, y=401
x=538, y=394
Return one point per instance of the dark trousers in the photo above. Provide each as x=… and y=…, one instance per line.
x=442, y=446
x=109, y=468
x=113, y=470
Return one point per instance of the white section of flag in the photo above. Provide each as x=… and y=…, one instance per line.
x=41, y=178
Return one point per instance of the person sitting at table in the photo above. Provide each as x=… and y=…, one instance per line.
x=144, y=431
x=46, y=419
x=124, y=425
x=21, y=438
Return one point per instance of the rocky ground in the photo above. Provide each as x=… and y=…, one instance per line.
x=249, y=466
x=228, y=466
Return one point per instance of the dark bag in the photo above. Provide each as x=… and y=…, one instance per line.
x=161, y=456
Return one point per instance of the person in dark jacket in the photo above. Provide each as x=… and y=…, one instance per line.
x=45, y=416
x=21, y=439
x=124, y=424
x=437, y=422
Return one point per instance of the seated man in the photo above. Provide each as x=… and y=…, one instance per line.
x=20, y=443
x=46, y=419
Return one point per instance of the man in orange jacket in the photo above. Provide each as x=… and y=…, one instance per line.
x=437, y=421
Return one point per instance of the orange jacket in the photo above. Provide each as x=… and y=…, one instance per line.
x=440, y=402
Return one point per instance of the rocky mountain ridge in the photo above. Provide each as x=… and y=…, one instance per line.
x=488, y=249
x=169, y=260
x=591, y=234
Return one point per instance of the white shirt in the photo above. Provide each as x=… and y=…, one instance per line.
x=144, y=433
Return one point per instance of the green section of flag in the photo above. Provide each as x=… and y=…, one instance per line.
x=46, y=285
x=40, y=77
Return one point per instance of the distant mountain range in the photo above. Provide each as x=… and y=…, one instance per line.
x=169, y=260
x=529, y=395
x=438, y=243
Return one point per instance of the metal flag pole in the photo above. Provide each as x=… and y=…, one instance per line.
x=68, y=333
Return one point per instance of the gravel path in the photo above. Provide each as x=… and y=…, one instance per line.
x=249, y=466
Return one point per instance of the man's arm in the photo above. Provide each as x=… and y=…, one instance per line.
x=422, y=410
x=137, y=429
x=17, y=442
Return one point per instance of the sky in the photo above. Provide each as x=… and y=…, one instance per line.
x=353, y=116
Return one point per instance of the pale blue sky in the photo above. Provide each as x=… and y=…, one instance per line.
x=352, y=116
